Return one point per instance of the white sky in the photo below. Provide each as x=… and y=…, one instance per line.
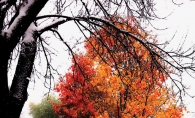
x=182, y=20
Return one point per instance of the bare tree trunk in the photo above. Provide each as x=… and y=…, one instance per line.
x=18, y=91
x=12, y=102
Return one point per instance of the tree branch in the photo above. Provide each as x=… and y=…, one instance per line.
x=27, y=14
x=53, y=24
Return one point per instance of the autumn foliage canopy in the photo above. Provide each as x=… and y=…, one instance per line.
x=117, y=78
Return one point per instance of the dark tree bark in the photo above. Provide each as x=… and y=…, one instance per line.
x=12, y=101
x=4, y=91
x=18, y=92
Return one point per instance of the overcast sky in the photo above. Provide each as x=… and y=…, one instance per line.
x=181, y=20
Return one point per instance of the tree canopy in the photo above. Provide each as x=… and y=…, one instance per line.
x=94, y=87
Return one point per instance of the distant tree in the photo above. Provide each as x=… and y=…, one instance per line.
x=44, y=108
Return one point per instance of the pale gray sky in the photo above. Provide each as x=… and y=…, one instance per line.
x=181, y=20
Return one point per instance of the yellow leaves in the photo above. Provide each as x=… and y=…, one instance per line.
x=141, y=99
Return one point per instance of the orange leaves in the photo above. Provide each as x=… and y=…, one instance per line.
x=116, y=77
x=104, y=93
x=105, y=115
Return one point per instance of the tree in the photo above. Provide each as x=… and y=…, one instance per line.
x=74, y=94
x=101, y=94
x=44, y=109
x=93, y=87
x=22, y=29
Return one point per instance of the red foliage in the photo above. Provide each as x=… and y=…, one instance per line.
x=74, y=90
